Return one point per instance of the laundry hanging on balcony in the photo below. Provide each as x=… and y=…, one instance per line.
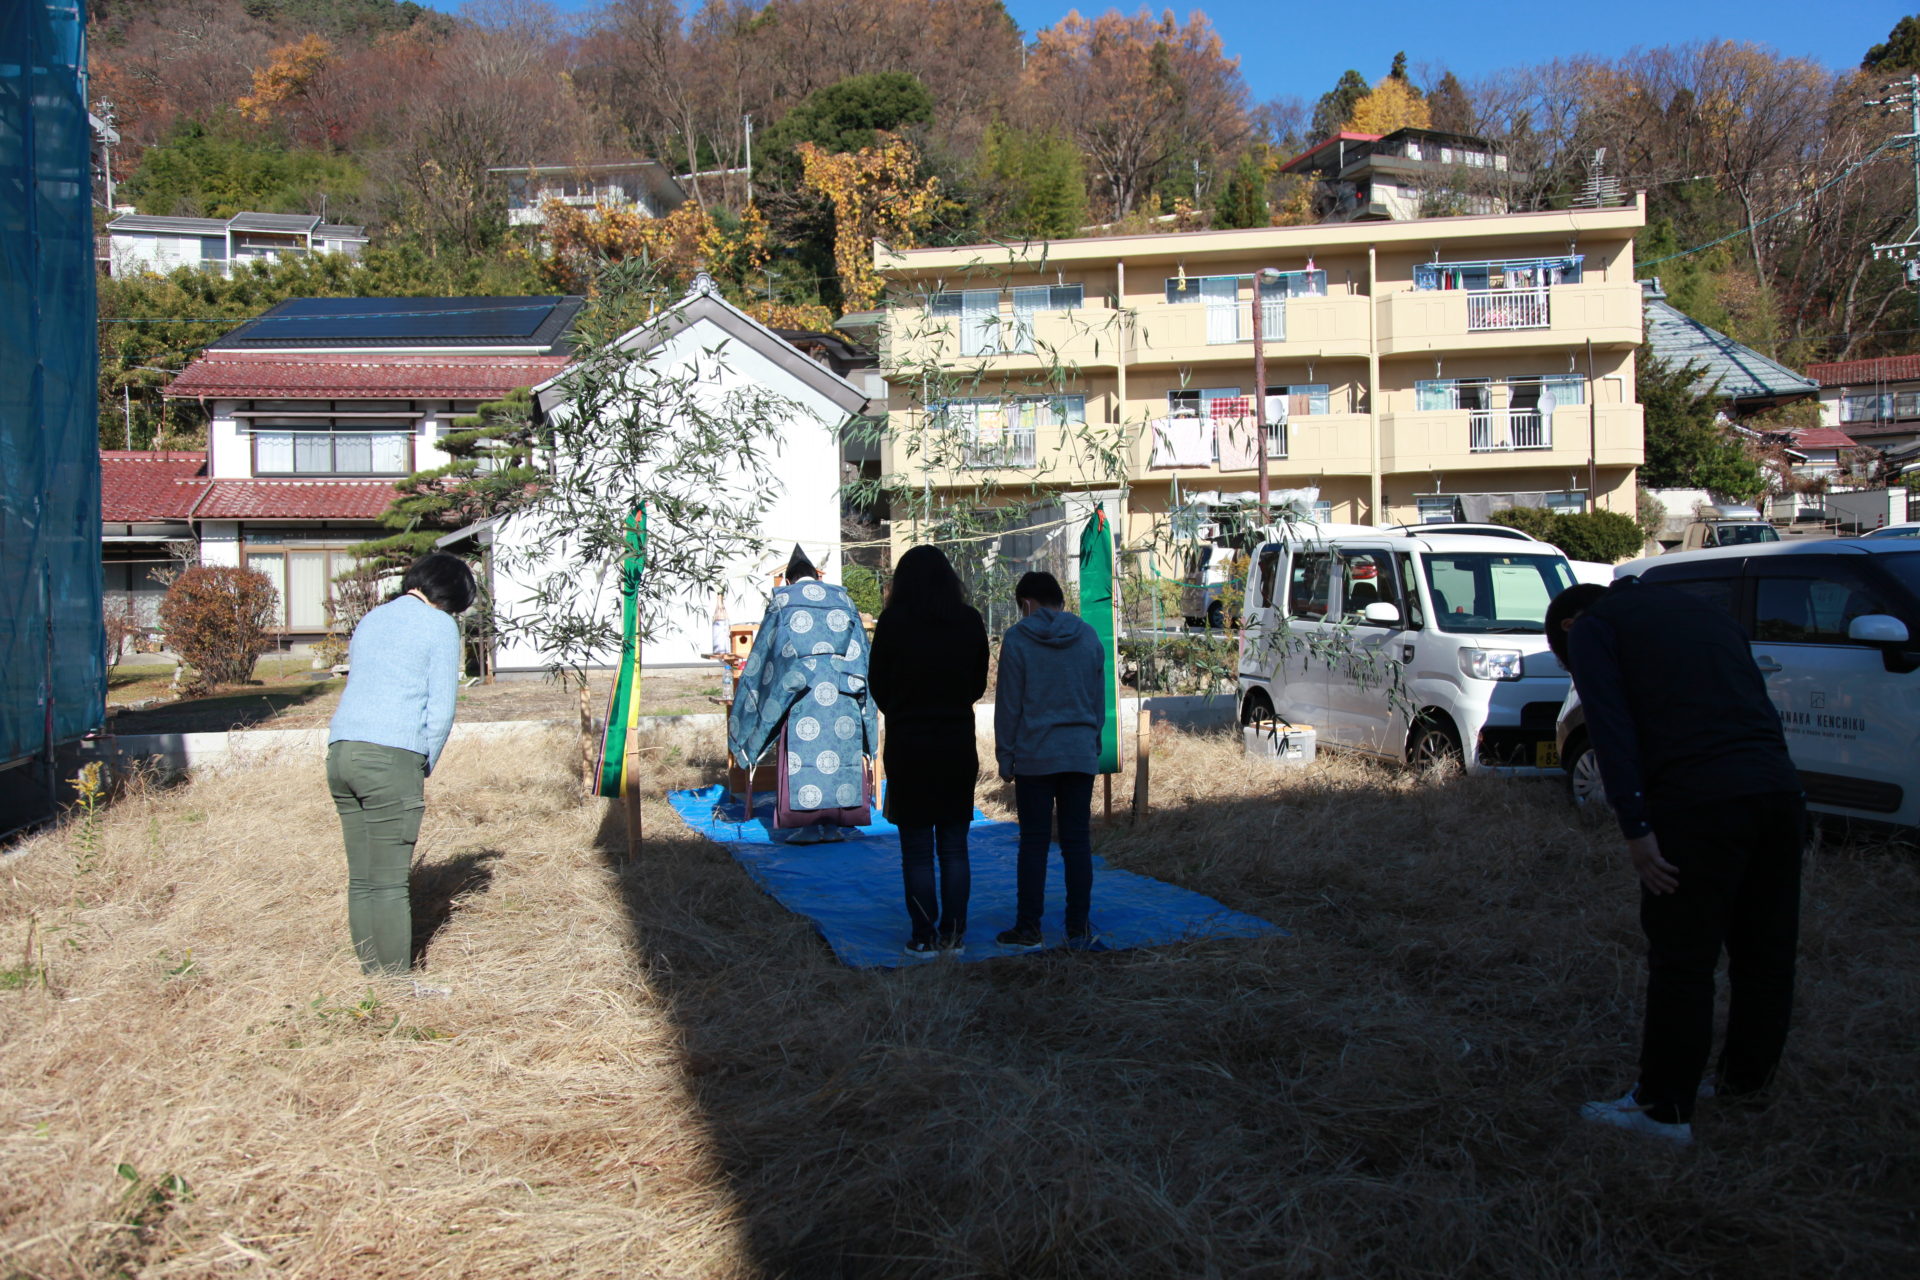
x=1237, y=433
x=1499, y=273
x=1182, y=442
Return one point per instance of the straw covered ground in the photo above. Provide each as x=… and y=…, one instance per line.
x=653, y=1070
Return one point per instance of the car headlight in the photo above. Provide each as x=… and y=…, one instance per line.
x=1490, y=664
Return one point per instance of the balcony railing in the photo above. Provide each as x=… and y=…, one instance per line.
x=1229, y=322
x=1507, y=309
x=1504, y=430
x=995, y=447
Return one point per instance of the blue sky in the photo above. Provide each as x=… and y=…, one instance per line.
x=1299, y=49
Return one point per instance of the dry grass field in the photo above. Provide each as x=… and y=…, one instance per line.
x=653, y=1070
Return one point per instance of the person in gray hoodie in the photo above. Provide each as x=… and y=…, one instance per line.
x=1049, y=710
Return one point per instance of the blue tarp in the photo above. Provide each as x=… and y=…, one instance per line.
x=52, y=659
x=853, y=894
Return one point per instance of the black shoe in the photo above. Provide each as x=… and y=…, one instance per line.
x=1083, y=937
x=921, y=949
x=1022, y=937
x=952, y=944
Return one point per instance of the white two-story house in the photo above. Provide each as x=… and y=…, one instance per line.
x=318, y=406
x=138, y=242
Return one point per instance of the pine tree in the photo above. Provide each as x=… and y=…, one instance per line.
x=491, y=473
x=1244, y=203
x=1336, y=105
x=1686, y=447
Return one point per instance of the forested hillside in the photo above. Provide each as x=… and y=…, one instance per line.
x=937, y=121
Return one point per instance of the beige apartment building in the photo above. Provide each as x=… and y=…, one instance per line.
x=1434, y=369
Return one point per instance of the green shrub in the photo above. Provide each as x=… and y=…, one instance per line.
x=1537, y=521
x=863, y=584
x=1605, y=536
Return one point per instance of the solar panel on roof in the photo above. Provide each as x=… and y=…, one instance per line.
x=373, y=319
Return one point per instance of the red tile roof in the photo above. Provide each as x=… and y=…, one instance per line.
x=296, y=500
x=334, y=376
x=1823, y=438
x=137, y=485
x=1865, y=373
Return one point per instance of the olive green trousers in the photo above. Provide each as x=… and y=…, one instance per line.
x=380, y=793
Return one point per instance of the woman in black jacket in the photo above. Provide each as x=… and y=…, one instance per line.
x=927, y=669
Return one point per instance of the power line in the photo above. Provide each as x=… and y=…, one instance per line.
x=1845, y=173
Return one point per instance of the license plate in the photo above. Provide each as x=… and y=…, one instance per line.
x=1546, y=755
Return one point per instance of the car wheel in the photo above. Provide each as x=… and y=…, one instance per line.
x=1434, y=745
x=1257, y=706
x=1584, y=783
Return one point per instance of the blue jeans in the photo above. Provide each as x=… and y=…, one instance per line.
x=946, y=918
x=1037, y=798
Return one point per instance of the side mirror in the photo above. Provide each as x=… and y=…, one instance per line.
x=1877, y=629
x=1384, y=613
x=1889, y=635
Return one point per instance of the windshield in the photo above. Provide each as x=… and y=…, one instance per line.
x=1490, y=593
x=1895, y=531
x=1733, y=535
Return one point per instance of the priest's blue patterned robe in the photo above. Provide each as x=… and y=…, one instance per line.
x=809, y=667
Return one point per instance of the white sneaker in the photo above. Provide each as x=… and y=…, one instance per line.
x=1625, y=1113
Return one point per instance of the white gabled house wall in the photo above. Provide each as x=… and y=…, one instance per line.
x=804, y=508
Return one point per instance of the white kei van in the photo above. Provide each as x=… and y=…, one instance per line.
x=1407, y=647
x=1835, y=629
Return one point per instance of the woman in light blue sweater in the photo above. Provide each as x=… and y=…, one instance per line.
x=386, y=736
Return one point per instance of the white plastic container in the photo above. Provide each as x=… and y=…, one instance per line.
x=1280, y=742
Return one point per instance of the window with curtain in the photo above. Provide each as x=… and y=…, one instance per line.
x=304, y=578
x=974, y=315
x=1030, y=300
x=344, y=447
x=1437, y=395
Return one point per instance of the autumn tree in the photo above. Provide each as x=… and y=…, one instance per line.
x=580, y=243
x=1137, y=94
x=1448, y=107
x=1392, y=104
x=876, y=194
x=491, y=97
x=285, y=77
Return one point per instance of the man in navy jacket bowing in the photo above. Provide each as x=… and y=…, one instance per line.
x=1697, y=771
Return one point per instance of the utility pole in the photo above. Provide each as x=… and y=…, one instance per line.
x=747, y=123
x=1905, y=94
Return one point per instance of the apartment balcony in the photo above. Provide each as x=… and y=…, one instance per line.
x=1317, y=443
x=967, y=456
x=1195, y=333
x=1486, y=439
x=1088, y=337
x=1016, y=447
x=1419, y=320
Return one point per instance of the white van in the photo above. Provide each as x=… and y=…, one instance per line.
x=1835, y=627
x=1407, y=647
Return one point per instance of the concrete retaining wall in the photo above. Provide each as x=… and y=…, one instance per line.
x=176, y=753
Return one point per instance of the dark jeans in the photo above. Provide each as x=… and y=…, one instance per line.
x=380, y=793
x=1739, y=864
x=947, y=917
x=1037, y=798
